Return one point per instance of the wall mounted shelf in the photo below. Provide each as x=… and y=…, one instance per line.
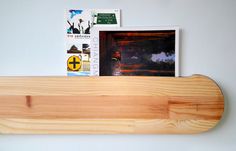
x=109, y=105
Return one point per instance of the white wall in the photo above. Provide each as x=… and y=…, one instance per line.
x=31, y=43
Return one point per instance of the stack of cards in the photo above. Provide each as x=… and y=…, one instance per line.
x=96, y=45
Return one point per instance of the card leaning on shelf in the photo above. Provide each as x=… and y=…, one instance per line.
x=78, y=25
x=135, y=51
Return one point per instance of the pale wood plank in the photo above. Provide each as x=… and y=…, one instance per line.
x=63, y=105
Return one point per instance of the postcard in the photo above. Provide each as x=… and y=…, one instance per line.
x=136, y=51
x=79, y=23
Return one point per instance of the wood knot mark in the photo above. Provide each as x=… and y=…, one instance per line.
x=28, y=101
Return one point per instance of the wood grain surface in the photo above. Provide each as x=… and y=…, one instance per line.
x=109, y=105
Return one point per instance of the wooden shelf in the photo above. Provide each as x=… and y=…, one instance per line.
x=109, y=105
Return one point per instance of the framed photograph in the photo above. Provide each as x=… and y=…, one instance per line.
x=135, y=51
